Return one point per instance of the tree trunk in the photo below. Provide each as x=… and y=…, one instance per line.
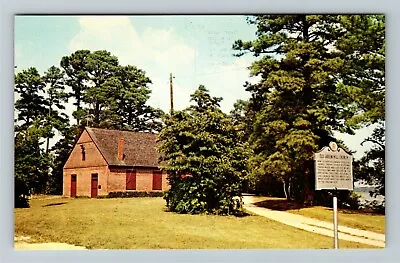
x=48, y=117
x=284, y=189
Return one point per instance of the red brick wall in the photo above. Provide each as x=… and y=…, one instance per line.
x=93, y=156
x=114, y=181
x=93, y=163
x=117, y=180
x=144, y=180
x=83, y=180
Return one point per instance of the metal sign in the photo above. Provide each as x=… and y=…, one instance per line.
x=333, y=169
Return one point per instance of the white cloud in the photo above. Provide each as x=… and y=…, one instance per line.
x=113, y=33
x=159, y=52
x=167, y=48
x=156, y=51
x=155, y=47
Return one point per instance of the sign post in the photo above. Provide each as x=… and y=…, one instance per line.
x=335, y=222
x=333, y=171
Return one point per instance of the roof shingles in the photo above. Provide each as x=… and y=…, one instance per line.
x=139, y=147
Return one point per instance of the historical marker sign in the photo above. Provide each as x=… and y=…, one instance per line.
x=333, y=169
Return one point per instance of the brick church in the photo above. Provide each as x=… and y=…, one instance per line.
x=104, y=161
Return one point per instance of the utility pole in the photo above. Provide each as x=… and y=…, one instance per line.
x=48, y=118
x=171, y=93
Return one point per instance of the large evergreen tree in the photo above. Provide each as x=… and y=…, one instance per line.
x=363, y=85
x=74, y=67
x=56, y=99
x=303, y=95
x=109, y=95
x=100, y=67
x=127, y=104
x=30, y=103
x=31, y=162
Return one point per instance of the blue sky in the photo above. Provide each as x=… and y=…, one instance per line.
x=195, y=49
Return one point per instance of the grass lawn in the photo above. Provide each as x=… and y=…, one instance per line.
x=346, y=217
x=143, y=223
x=361, y=220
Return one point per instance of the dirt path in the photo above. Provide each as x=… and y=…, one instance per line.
x=21, y=244
x=316, y=226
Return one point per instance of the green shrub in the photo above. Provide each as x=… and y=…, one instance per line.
x=21, y=194
x=204, y=159
x=132, y=194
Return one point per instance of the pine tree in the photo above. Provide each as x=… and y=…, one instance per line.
x=31, y=162
x=56, y=100
x=30, y=103
x=74, y=67
x=313, y=78
x=128, y=101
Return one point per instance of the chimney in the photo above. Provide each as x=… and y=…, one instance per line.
x=121, y=146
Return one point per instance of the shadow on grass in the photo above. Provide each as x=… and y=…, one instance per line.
x=284, y=205
x=364, y=211
x=241, y=213
x=280, y=204
x=54, y=204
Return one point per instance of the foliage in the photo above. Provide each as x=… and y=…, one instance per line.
x=133, y=194
x=371, y=168
x=55, y=102
x=31, y=161
x=76, y=76
x=109, y=95
x=105, y=94
x=61, y=151
x=30, y=102
x=315, y=79
x=21, y=193
x=362, y=46
x=31, y=165
x=203, y=158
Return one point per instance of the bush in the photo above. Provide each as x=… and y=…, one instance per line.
x=21, y=194
x=378, y=207
x=132, y=194
x=346, y=199
x=203, y=157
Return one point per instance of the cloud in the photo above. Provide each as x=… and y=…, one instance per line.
x=167, y=48
x=156, y=51
x=160, y=51
x=154, y=48
x=112, y=33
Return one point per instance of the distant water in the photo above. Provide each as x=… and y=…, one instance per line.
x=365, y=197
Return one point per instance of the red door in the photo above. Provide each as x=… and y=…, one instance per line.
x=95, y=185
x=157, y=182
x=73, y=185
x=131, y=180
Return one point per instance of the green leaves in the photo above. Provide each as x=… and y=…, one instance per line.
x=109, y=95
x=30, y=102
x=203, y=157
x=318, y=74
x=105, y=94
x=371, y=168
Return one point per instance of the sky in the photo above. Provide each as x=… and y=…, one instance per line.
x=197, y=50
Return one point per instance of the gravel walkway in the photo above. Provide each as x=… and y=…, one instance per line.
x=316, y=226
